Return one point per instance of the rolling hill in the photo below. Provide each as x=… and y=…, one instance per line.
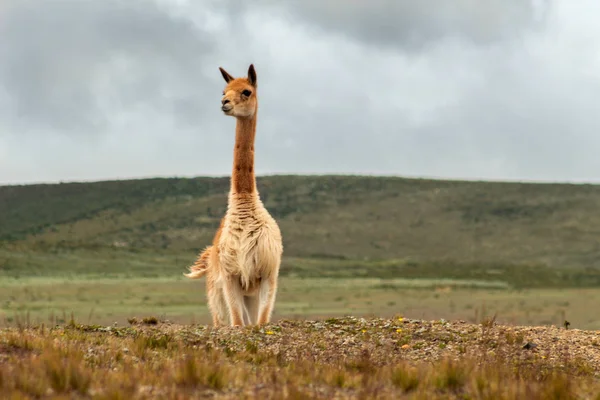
x=324, y=217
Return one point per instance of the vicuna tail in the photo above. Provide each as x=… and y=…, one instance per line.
x=200, y=267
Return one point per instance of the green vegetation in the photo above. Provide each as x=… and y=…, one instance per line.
x=108, y=300
x=332, y=217
x=149, y=263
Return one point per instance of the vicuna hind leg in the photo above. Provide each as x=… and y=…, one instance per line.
x=268, y=290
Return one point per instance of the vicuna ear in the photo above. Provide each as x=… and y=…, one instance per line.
x=252, y=75
x=226, y=75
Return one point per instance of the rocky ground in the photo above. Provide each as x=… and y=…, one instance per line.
x=334, y=358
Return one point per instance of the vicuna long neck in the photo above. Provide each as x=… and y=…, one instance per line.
x=242, y=178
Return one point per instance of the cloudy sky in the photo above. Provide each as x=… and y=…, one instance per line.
x=501, y=89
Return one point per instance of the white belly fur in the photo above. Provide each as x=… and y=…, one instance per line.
x=250, y=245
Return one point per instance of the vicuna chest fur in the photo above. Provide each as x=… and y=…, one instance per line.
x=250, y=244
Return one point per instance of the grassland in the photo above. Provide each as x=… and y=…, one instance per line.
x=109, y=301
x=104, y=286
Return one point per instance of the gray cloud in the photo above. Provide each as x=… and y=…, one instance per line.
x=413, y=25
x=68, y=65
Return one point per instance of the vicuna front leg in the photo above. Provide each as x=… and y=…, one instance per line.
x=251, y=303
x=234, y=298
x=217, y=305
x=268, y=289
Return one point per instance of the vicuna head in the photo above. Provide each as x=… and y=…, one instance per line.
x=239, y=97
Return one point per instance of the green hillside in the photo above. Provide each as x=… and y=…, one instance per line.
x=323, y=217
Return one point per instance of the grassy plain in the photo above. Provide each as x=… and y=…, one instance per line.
x=111, y=285
x=105, y=301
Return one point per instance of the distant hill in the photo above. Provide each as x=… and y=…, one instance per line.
x=337, y=217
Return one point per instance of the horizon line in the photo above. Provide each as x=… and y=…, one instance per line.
x=333, y=174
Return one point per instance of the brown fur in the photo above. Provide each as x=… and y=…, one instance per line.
x=242, y=265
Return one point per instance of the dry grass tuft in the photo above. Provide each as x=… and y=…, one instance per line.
x=66, y=373
x=195, y=372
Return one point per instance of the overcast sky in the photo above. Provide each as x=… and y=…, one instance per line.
x=111, y=89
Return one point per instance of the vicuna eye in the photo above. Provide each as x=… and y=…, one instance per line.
x=247, y=93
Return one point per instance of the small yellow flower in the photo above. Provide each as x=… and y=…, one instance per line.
x=398, y=330
x=270, y=332
x=364, y=330
x=400, y=319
